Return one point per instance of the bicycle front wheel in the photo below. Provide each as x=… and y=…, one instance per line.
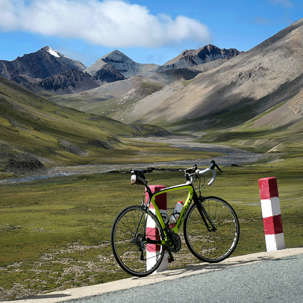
x=207, y=245
x=131, y=231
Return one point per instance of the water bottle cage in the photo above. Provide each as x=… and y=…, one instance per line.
x=174, y=217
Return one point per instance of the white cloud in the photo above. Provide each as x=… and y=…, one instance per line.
x=110, y=23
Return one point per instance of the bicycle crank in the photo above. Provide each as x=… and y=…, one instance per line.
x=176, y=243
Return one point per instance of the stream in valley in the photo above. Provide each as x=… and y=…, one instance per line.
x=231, y=156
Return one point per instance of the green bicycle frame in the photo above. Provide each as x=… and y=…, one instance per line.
x=187, y=203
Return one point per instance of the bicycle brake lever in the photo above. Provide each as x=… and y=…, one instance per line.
x=215, y=165
x=219, y=168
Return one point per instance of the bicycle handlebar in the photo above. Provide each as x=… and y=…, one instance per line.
x=190, y=173
x=200, y=172
x=212, y=167
x=194, y=171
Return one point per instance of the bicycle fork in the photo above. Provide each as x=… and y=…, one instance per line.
x=206, y=219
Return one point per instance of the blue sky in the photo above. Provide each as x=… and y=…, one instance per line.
x=146, y=31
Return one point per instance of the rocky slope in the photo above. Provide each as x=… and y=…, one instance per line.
x=36, y=66
x=236, y=91
x=107, y=74
x=71, y=81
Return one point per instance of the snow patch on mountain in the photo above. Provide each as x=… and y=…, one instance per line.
x=53, y=52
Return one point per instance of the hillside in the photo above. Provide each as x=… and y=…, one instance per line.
x=276, y=132
x=36, y=133
x=119, y=96
x=234, y=92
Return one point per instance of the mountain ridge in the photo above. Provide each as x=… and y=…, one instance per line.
x=207, y=53
x=32, y=70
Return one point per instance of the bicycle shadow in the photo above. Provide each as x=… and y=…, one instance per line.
x=207, y=267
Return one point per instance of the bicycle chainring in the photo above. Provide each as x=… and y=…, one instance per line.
x=176, y=243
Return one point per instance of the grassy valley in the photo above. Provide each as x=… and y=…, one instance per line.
x=37, y=134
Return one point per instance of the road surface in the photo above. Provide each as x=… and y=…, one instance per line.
x=262, y=277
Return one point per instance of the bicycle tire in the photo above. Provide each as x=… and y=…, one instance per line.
x=212, y=246
x=128, y=244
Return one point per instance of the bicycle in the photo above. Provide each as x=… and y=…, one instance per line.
x=211, y=227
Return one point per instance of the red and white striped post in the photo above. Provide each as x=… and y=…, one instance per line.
x=152, y=249
x=271, y=212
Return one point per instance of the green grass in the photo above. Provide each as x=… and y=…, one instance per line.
x=59, y=229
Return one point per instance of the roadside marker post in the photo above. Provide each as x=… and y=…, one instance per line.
x=151, y=249
x=271, y=213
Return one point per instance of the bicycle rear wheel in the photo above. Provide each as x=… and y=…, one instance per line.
x=212, y=246
x=128, y=239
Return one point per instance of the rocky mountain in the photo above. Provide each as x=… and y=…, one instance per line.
x=36, y=66
x=122, y=63
x=205, y=54
x=47, y=69
x=238, y=90
x=74, y=81
x=107, y=74
x=71, y=81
